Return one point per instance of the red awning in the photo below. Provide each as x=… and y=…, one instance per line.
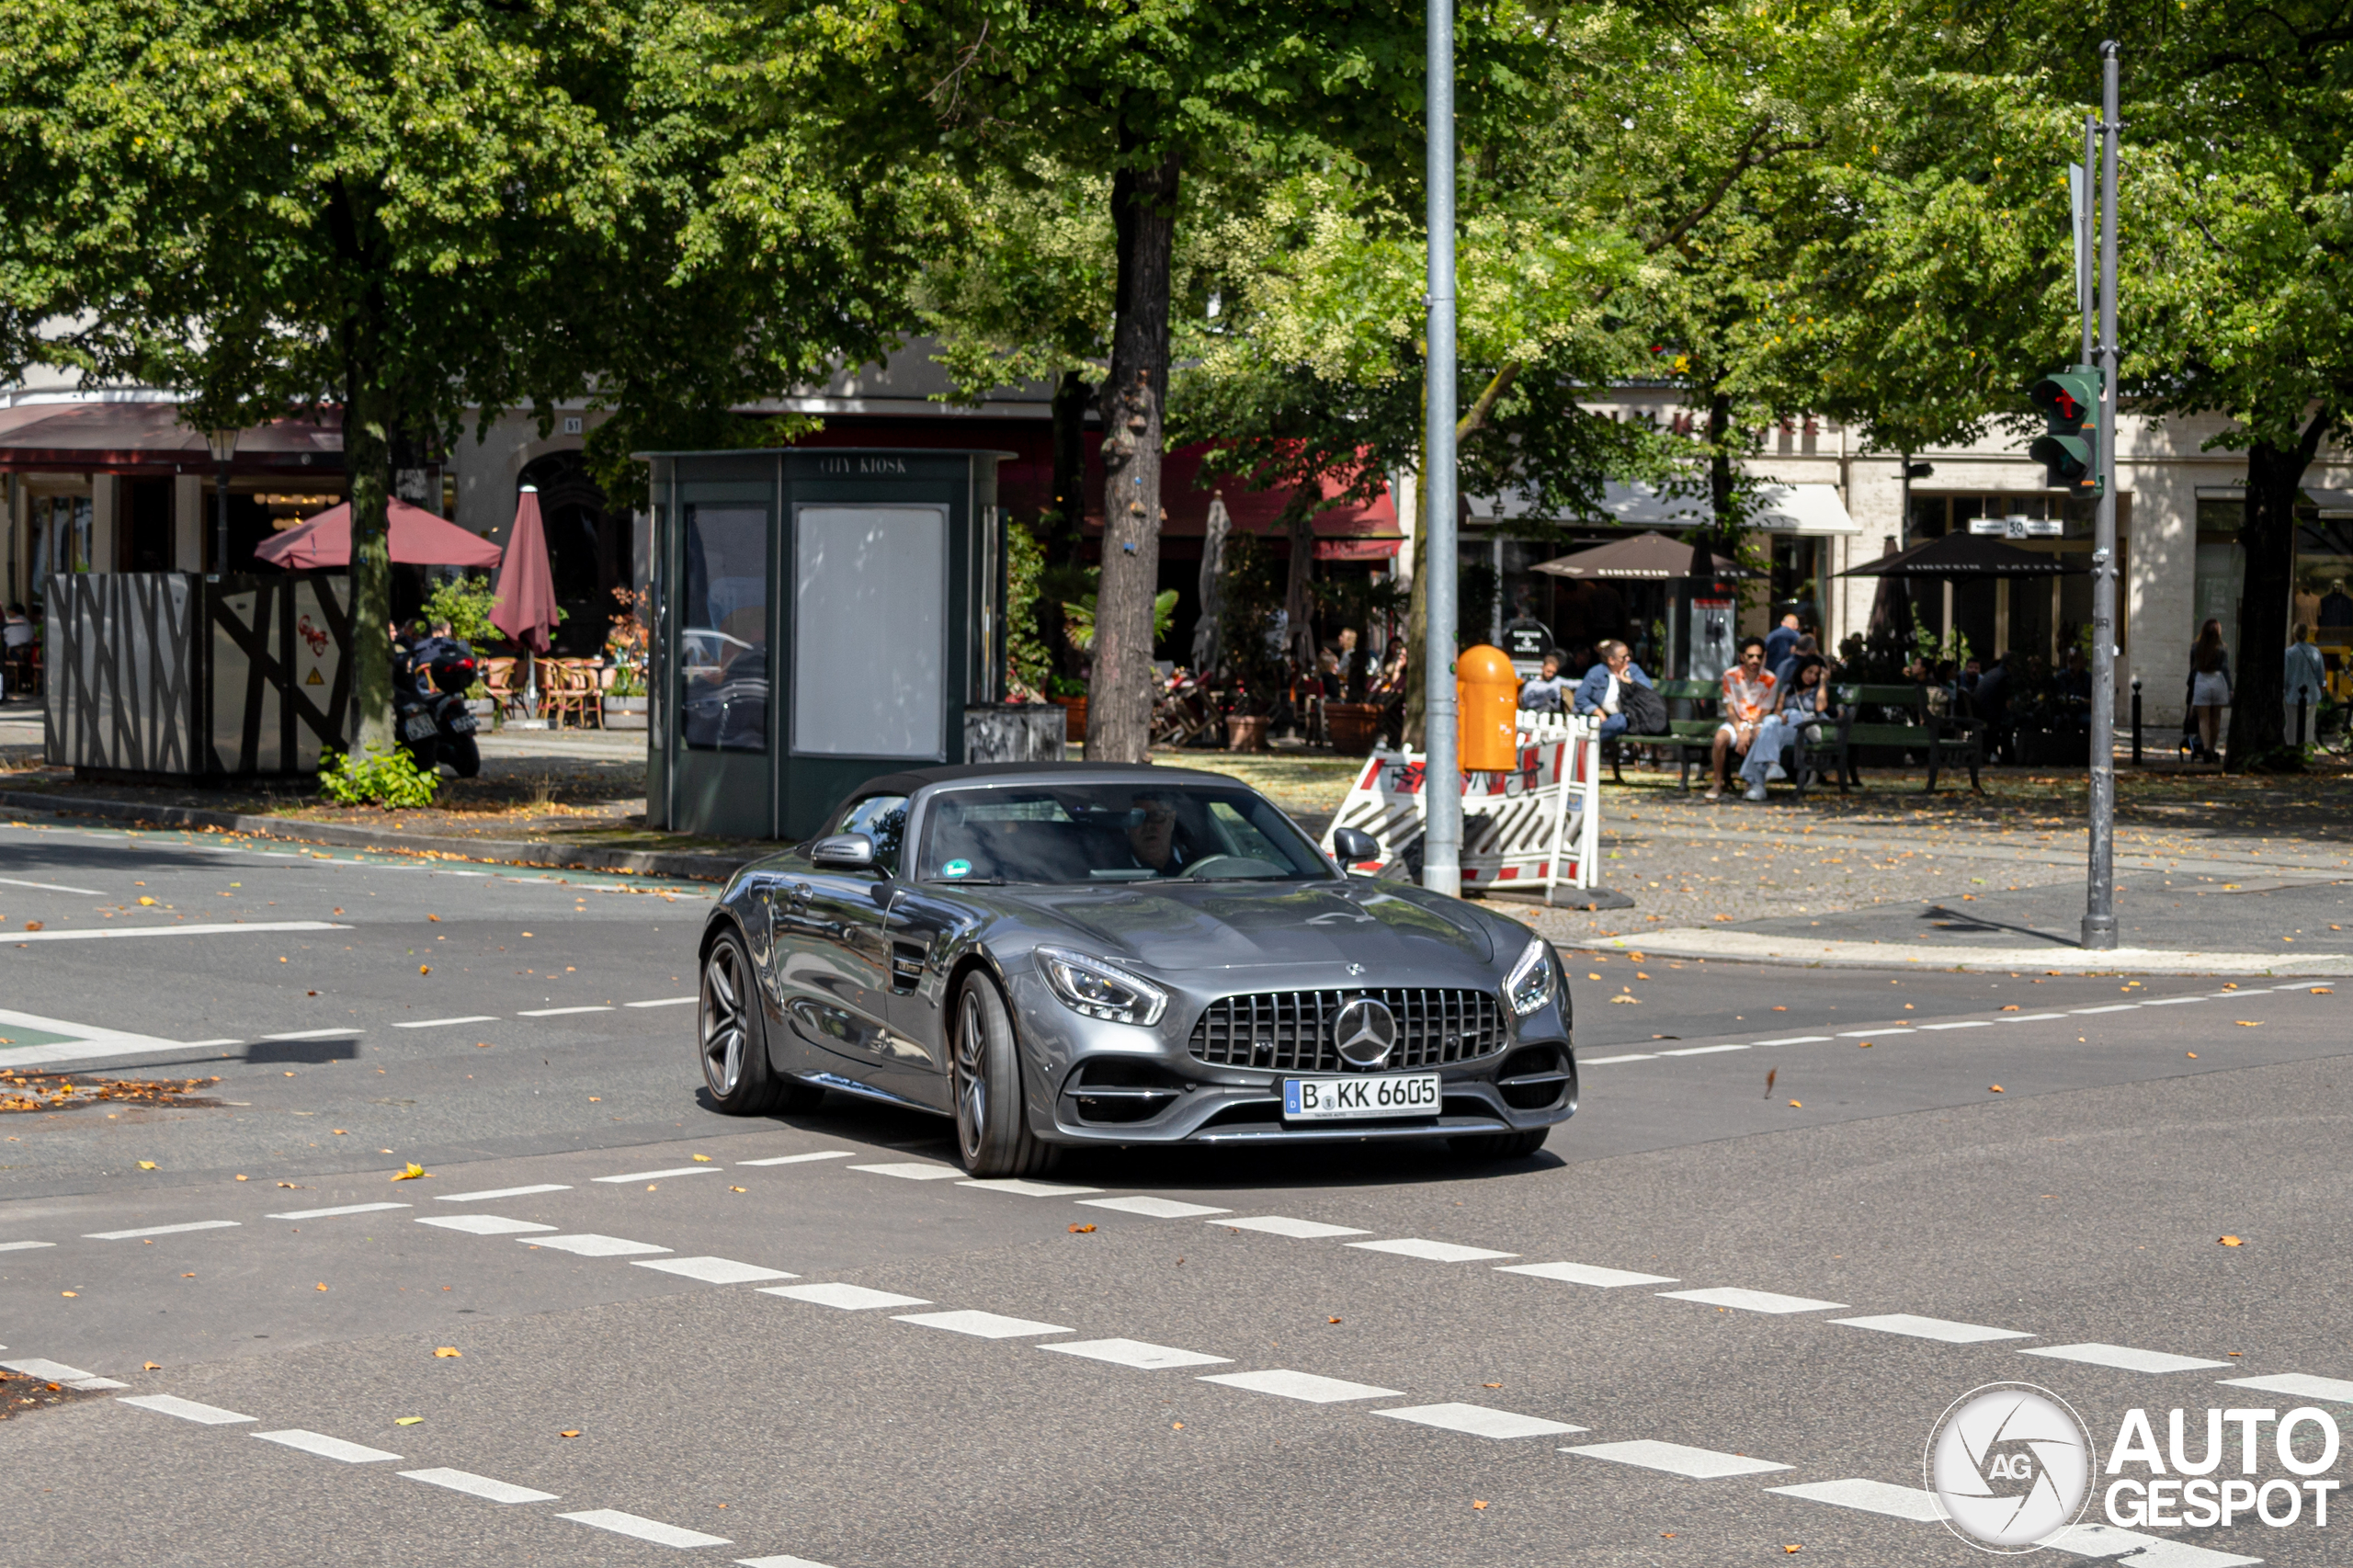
x=1186, y=501
x=416, y=537
x=118, y=437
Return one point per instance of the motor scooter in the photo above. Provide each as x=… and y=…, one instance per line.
x=430, y=680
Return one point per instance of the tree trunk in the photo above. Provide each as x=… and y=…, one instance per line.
x=1118, y=707
x=1720, y=482
x=367, y=461
x=2275, y=477
x=1299, y=602
x=1070, y=466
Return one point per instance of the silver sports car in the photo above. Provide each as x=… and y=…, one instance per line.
x=1068, y=954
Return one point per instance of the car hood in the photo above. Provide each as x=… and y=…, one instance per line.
x=1176, y=927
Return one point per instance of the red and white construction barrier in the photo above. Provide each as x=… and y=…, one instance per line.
x=1534, y=829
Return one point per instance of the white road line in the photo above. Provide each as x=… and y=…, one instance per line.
x=665, y=1002
x=1702, y=1050
x=559, y=1012
x=1676, y=1458
x=848, y=1298
x=483, y=1224
x=590, y=1244
x=159, y=1231
x=56, y=1373
x=1964, y=1024
x=1300, y=1385
x=913, y=1170
x=1021, y=1189
x=194, y=1043
x=1872, y=1497
x=1585, y=1274
x=2173, y=1001
x=1479, y=1421
x=1435, y=1252
x=1605, y=1061
x=2143, y=1551
x=2029, y=1018
x=803, y=1159
x=327, y=1448
x=982, y=1325
x=185, y=1409
x=1942, y=1329
x=1283, y=1225
x=315, y=1034
x=436, y=1022
x=658, y=1175
x=254, y=928
x=24, y=1247
x=655, y=1531
x=777, y=1563
x=1153, y=1207
x=1753, y=1300
x=481, y=1486
x=50, y=887
x=1136, y=1353
x=500, y=1192
x=714, y=1270
x=2298, y=1385
x=331, y=1213
x=2124, y=1358
x=1797, y=1040
x=2112, y=1008
x=1873, y=1034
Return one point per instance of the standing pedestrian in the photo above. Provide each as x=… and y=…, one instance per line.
x=2209, y=689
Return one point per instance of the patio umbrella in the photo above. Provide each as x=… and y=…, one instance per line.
x=415, y=534
x=1963, y=556
x=525, y=609
x=1650, y=555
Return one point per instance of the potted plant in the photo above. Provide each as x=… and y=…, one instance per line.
x=1069, y=694
x=625, y=699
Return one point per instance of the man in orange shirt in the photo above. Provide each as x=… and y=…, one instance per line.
x=1747, y=698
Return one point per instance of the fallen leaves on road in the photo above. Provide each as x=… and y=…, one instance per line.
x=447, y=1353
x=321, y=1287
x=406, y=1420
x=432, y=917
x=1794, y=1548
x=2233, y=1241
x=151, y=1366
x=413, y=1172
x=1993, y=1089
x=1863, y=1045
x=338, y=1132
x=576, y=1432
x=2191, y=1054
x=1478, y=1501
x=244, y=1178
x=1331, y=1320
x=735, y=1189
x=1797, y=1105
x=1074, y=1230
x=1635, y=1001
x=146, y=1164
x=146, y=901
x=188, y=1276
x=700, y=1159
x=424, y=968
x=69, y=1294
x=2011, y=1007
x=2249, y=1023
x=59, y=1091
x=1770, y=1073
x=1177, y=1425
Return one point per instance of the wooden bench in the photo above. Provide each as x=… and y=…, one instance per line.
x=1944, y=741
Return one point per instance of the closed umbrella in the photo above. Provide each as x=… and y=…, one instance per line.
x=415, y=536
x=525, y=610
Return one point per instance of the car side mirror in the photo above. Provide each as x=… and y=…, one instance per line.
x=844, y=852
x=1351, y=845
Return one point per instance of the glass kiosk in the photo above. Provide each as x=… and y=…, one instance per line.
x=821, y=615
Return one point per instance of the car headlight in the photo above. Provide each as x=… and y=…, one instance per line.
x=1097, y=990
x=1529, y=985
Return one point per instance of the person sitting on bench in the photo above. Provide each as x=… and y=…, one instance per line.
x=1747, y=698
x=1601, y=693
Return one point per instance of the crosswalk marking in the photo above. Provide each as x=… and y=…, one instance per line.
x=481, y=1486
x=590, y=1244
x=1753, y=1300
x=2122, y=1356
x=59, y=1373
x=982, y=1325
x=1434, y=1252
x=485, y=1224
x=1870, y=1497
x=2297, y=1385
x=655, y=1531
x=2143, y=1551
x=1479, y=1421
x=327, y=1448
x=913, y=1170
x=848, y=1298
x=714, y=1270
x=1298, y=1230
x=502, y=1192
x=1020, y=1188
x=1287, y=1384
x=332, y=1213
x=1676, y=1458
x=1153, y=1208
x=1585, y=1274
x=185, y=1409
x=660, y=1175
x=801, y=1159
x=776, y=1562
x=1135, y=1353
x=1943, y=1329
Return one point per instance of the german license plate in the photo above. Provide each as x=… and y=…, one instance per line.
x=1344, y=1099
x=463, y=724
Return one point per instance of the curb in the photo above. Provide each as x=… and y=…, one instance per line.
x=687, y=866
x=1747, y=946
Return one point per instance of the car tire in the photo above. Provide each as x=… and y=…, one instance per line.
x=992, y=1136
x=731, y=1039
x=1500, y=1145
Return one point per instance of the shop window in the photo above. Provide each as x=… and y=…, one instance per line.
x=869, y=618
x=723, y=629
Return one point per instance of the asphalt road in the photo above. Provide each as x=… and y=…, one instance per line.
x=692, y=1296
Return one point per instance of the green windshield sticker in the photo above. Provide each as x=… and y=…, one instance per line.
x=956, y=868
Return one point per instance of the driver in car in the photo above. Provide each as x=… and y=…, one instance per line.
x=1151, y=835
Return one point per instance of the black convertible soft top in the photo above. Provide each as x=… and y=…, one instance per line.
x=914, y=778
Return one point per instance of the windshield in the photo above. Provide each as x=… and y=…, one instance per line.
x=1095, y=833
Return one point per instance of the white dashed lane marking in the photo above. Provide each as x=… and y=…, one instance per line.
x=2123, y=1356
x=1798, y=1040
x=1289, y=1384
x=1585, y=1274
x=776, y=1562
x=327, y=1448
x=160, y=1231
x=483, y=1224
x=590, y=1244
x=848, y=1298
x=1479, y=1421
x=982, y=1325
x=1605, y=1061
x=2144, y=1550
x=502, y=1192
x=59, y=1373
x=1434, y=1252
x=24, y=1247
x=332, y=1213
x=559, y=1012
x=660, y=1175
x=1751, y=1301
x=1298, y=1230
x=50, y=887
x=655, y=1531
x=1932, y=1328
x=315, y=1034
x=664, y=1002
x=1153, y=1208
x=1136, y=1353
x=714, y=1270
x=481, y=1486
x=185, y=1409
x=801, y=1159
x=1872, y=1497
x=437, y=1023
x=1699, y=1464
x=2297, y=1385
x=1021, y=1189
x=913, y=1170
x=1702, y=1050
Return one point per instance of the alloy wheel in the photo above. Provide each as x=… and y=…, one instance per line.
x=971, y=1079
x=724, y=1023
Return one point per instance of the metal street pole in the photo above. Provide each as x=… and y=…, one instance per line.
x=2100, y=912
x=1441, y=775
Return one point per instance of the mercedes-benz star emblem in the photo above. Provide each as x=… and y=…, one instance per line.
x=1364, y=1032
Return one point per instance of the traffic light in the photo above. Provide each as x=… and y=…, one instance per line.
x=2069, y=447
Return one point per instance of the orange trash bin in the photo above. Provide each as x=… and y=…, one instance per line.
x=1486, y=697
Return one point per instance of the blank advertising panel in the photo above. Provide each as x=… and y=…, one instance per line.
x=869, y=642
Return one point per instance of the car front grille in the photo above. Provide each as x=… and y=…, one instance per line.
x=1291, y=1030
